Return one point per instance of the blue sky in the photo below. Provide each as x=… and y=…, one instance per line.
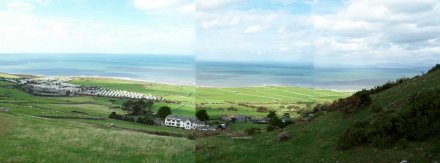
x=369, y=33
x=94, y=26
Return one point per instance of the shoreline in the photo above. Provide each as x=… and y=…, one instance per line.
x=99, y=77
x=173, y=84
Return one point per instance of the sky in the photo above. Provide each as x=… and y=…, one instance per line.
x=97, y=26
x=338, y=33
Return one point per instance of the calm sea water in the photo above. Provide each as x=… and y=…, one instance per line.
x=184, y=70
x=164, y=69
x=283, y=74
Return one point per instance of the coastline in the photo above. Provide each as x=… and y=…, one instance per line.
x=100, y=77
x=350, y=91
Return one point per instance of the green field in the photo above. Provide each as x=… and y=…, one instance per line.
x=274, y=98
x=182, y=96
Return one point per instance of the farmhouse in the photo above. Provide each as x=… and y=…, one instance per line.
x=182, y=122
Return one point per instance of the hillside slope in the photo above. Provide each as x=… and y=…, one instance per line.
x=317, y=140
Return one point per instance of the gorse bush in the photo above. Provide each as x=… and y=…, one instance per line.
x=417, y=121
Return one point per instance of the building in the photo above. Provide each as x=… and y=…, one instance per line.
x=182, y=122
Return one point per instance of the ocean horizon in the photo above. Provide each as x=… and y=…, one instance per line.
x=186, y=70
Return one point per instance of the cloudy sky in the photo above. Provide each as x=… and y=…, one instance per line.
x=326, y=33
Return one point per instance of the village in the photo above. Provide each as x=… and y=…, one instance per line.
x=59, y=86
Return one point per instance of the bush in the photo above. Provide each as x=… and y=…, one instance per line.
x=262, y=109
x=113, y=115
x=352, y=104
x=277, y=122
x=231, y=109
x=145, y=120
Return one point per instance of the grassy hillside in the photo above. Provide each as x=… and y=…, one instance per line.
x=317, y=141
x=72, y=129
x=29, y=139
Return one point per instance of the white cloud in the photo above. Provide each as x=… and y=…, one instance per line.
x=372, y=32
x=253, y=35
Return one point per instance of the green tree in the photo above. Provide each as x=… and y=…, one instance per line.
x=272, y=115
x=138, y=107
x=163, y=111
x=202, y=115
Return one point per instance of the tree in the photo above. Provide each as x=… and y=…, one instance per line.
x=202, y=115
x=163, y=111
x=138, y=107
x=149, y=105
x=128, y=106
x=272, y=115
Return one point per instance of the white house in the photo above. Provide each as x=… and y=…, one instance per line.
x=182, y=122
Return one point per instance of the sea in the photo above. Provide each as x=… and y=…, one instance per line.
x=186, y=70
x=176, y=69
x=239, y=74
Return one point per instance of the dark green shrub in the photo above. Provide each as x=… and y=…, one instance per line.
x=262, y=109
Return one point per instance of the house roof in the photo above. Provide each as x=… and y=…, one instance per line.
x=192, y=120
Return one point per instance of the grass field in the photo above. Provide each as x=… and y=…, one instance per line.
x=183, y=95
x=271, y=97
x=29, y=139
x=218, y=99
